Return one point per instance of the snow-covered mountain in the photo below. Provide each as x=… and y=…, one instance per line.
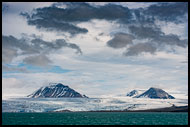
x=155, y=93
x=132, y=93
x=55, y=90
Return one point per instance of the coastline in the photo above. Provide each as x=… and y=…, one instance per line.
x=166, y=109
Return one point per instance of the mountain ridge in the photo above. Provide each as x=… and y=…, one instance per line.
x=155, y=93
x=55, y=90
x=132, y=93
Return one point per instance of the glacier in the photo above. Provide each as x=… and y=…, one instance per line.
x=86, y=104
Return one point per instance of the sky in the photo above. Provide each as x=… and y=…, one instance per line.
x=96, y=48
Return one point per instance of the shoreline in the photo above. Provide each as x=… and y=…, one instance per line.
x=166, y=109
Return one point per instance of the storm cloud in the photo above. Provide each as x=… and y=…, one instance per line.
x=120, y=40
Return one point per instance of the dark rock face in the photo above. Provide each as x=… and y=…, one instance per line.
x=56, y=91
x=132, y=93
x=155, y=93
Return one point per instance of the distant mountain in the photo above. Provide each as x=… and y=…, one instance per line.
x=132, y=93
x=56, y=90
x=155, y=93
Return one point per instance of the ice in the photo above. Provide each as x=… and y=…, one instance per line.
x=86, y=104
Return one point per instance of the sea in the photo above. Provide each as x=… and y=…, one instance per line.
x=96, y=118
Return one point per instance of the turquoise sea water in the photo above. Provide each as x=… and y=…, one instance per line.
x=95, y=118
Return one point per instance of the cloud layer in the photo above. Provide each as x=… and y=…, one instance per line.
x=120, y=40
x=140, y=21
x=140, y=48
x=61, y=19
x=96, y=48
x=13, y=47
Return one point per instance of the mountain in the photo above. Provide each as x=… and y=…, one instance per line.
x=155, y=93
x=56, y=90
x=132, y=93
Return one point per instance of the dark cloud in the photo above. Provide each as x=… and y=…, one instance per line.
x=80, y=12
x=13, y=47
x=36, y=44
x=169, y=12
x=120, y=40
x=57, y=26
x=54, y=18
x=141, y=18
x=59, y=19
x=74, y=46
x=10, y=47
x=143, y=32
x=22, y=44
x=171, y=39
x=55, y=45
x=156, y=35
x=140, y=48
x=157, y=40
x=139, y=21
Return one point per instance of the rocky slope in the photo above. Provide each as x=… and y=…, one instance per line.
x=132, y=93
x=56, y=90
x=155, y=93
